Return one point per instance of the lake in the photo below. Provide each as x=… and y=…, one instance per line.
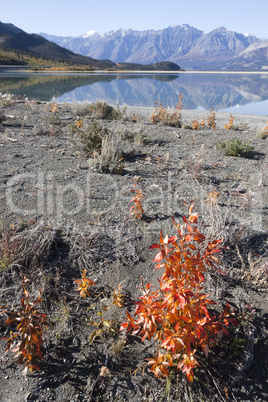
x=228, y=92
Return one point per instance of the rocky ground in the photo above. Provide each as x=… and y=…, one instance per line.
x=69, y=216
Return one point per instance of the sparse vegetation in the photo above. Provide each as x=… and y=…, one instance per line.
x=195, y=125
x=137, y=209
x=235, y=147
x=143, y=139
x=168, y=117
x=211, y=119
x=27, y=341
x=6, y=100
x=92, y=137
x=194, y=164
x=109, y=160
x=101, y=110
x=263, y=133
x=230, y=123
x=85, y=255
x=104, y=326
x=9, y=247
x=82, y=109
x=83, y=284
x=232, y=126
x=254, y=269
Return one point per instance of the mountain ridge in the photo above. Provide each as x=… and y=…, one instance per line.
x=185, y=45
x=19, y=47
x=14, y=39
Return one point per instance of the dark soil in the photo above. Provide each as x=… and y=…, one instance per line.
x=71, y=218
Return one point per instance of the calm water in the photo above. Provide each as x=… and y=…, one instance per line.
x=238, y=93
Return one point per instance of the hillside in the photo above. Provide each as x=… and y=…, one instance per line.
x=17, y=46
x=187, y=46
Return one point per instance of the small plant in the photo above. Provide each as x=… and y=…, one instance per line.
x=177, y=313
x=235, y=147
x=159, y=111
x=91, y=139
x=54, y=131
x=119, y=296
x=103, y=325
x=194, y=164
x=134, y=117
x=168, y=117
x=101, y=110
x=7, y=100
x=55, y=120
x=54, y=107
x=213, y=197
x=230, y=123
x=79, y=123
x=203, y=123
x=83, y=285
x=27, y=341
x=253, y=269
x=211, y=120
x=243, y=126
x=109, y=160
x=63, y=311
x=195, y=125
x=82, y=109
x=9, y=246
x=186, y=126
x=137, y=209
x=143, y=139
x=263, y=134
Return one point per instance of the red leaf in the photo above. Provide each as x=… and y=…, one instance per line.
x=155, y=245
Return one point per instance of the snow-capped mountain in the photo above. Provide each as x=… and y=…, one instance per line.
x=187, y=46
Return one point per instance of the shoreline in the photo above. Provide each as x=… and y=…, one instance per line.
x=192, y=114
x=26, y=69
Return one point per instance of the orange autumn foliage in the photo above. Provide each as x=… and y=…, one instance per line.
x=177, y=313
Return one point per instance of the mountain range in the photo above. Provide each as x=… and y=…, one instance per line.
x=191, y=48
x=19, y=47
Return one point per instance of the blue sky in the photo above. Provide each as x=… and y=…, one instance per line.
x=65, y=17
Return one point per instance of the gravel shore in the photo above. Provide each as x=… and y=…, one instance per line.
x=46, y=177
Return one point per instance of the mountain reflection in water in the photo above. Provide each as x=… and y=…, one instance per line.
x=220, y=91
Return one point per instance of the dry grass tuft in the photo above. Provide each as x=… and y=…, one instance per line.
x=194, y=164
x=253, y=270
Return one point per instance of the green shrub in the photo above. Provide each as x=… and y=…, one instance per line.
x=91, y=140
x=187, y=126
x=143, y=139
x=82, y=110
x=55, y=120
x=109, y=160
x=235, y=147
x=101, y=110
